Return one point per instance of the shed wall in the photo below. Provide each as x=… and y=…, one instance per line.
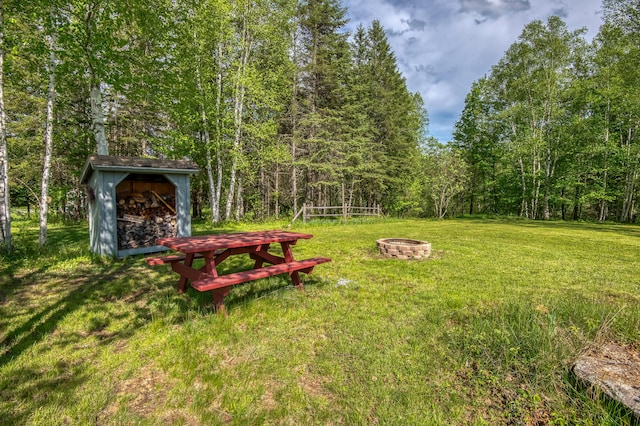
x=103, y=230
x=183, y=203
x=94, y=214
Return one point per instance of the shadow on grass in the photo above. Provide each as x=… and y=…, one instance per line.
x=246, y=292
x=37, y=294
x=48, y=296
x=55, y=324
x=62, y=244
x=60, y=306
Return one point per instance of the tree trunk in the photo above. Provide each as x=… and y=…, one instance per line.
x=277, y=191
x=294, y=127
x=237, y=115
x=471, y=200
x=215, y=203
x=535, y=184
x=97, y=118
x=631, y=181
x=603, y=203
x=547, y=185
x=265, y=199
x=5, y=219
x=239, y=201
x=524, y=210
x=294, y=174
x=604, y=208
x=213, y=196
x=48, y=142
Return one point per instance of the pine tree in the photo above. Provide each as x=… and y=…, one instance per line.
x=398, y=117
x=324, y=55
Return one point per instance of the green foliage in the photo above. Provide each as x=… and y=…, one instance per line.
x=445, y=175
x=272, y=99
x=549, y=133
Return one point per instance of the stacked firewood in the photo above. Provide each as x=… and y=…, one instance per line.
x=144, y=217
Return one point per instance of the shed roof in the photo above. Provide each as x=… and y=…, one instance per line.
x=136, y=164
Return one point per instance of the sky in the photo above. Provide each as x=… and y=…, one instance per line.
x=443, y=46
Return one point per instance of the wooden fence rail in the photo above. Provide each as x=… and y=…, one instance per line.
x=309, y=211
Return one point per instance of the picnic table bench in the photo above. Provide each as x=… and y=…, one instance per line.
x=214, y=249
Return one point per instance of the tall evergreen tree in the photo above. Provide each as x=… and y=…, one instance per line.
x=397, y=115
x=324, y=54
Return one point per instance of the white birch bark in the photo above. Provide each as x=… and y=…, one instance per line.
x=215, y=203
x=97, y=119
x=237, y=115
x=602, y=216
x=277, y=191
x=524, y=208
x=213, y=196
x=48, y=141
x=631, y=180
x=239, y=201
x=5, y=219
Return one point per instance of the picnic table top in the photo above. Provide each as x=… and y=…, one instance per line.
x=202, y=243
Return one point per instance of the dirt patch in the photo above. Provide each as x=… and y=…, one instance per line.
x=614, y=370
x=141, y=394
x=315, y=386
x=137, y=298
x=507, y=404
x=268, y=400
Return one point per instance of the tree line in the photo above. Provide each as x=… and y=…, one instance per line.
x=280, y=105
x=275, y=101
x=552, y=130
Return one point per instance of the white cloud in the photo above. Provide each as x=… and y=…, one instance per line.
x=493, y=9
x=443, y=46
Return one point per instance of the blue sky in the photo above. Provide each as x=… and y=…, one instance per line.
x=443, y=46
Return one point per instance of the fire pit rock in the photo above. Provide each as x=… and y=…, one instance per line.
x=403, y=248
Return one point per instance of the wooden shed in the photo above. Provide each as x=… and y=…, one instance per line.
x=133, y=201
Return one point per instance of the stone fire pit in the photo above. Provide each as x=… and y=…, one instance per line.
x=402, y=248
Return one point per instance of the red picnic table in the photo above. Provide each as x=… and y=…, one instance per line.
x=214, y=249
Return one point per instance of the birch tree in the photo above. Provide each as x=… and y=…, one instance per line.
x=445, y=175
x=530, y=81
x=618, y=80
x=48, y=135
x=98, y=41
x=256, y=78
x=210, y=21
x=245, y=40
x=5, y=219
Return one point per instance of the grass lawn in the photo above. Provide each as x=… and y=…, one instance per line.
x=483, y=333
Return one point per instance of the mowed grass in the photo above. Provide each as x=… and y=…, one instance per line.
x=484, y=332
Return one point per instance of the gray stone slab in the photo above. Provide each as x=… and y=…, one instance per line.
x=614, y=370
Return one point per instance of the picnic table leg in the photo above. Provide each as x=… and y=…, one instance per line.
x=218, y=300
x=182, y=285
x=259, y=260
x=288, y=257
x=209, y=263
x=297, y=282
